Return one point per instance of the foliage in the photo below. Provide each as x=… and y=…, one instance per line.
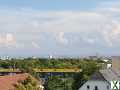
x=55, y=82
x=29, y=84
x=29, y=63
x=59, y=83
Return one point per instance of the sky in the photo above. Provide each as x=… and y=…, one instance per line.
x=59, y=27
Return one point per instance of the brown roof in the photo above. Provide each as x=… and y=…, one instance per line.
x=8, y=82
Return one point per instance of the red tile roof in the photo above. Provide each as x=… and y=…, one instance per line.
x=8, y=82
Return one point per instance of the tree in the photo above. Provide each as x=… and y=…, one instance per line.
x=29, y=84
x=55, y=83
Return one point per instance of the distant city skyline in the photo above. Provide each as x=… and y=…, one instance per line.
x=59, y=27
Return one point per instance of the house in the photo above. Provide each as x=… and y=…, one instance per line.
x=95, y=85
x=101, y=80
x=8, y=82
x=96, y=82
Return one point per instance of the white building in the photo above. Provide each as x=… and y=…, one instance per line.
x=51, y=57
x=101, y=80
x=95, y=85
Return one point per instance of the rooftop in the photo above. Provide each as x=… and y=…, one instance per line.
x=110, y=74
x=8, y=82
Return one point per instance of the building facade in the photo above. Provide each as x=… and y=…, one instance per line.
x=95, y=85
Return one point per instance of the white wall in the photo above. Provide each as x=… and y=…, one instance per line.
x=109, y=66
x=102, y=85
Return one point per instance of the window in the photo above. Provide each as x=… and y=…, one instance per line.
x=88, y=87
x=107, y=87
x=96, y=88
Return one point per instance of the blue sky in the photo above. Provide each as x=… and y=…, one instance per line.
x=59, y=27
x=52, y=4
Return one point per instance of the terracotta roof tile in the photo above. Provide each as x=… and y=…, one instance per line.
x=8, y=82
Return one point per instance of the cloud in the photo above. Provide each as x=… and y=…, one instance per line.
x=61, y=38
x=7, y=40
x=50, y=21
x=99, y=27
x=29, y=24
x=111, y=33
x=90, y=40
x=35, y=45
x=112, y=36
